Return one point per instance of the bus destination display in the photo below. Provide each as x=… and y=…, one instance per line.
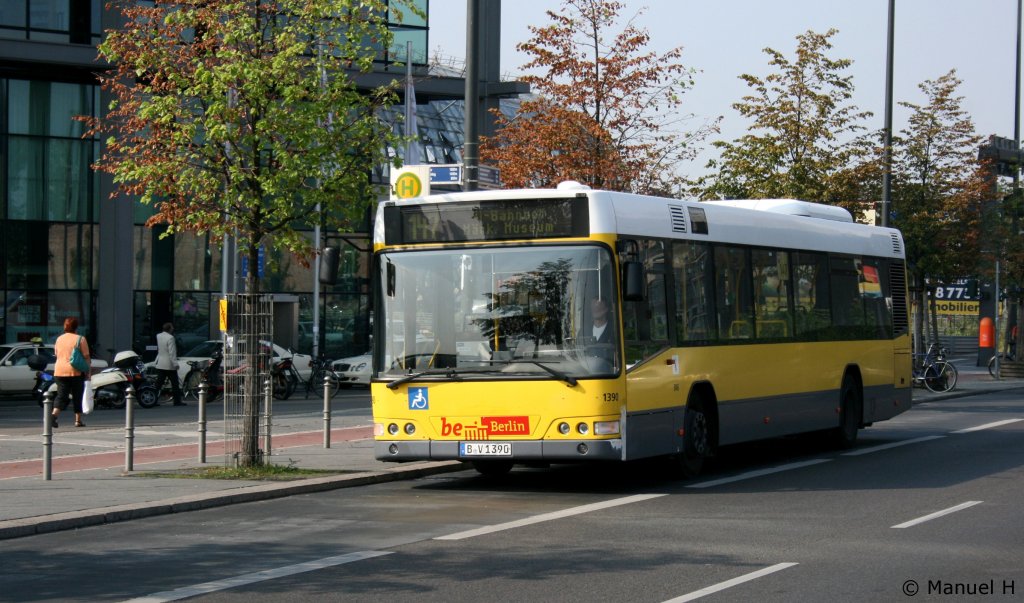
x=486, y=220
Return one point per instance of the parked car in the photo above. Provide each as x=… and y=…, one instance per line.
x=16, y=377
x=354, y=370
x=205, y=351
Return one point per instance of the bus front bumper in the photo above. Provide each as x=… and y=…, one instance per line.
x=566, y=451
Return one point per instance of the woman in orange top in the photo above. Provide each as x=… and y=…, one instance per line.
x=70, y=382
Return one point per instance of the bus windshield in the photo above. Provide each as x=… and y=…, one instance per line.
x=497, y=313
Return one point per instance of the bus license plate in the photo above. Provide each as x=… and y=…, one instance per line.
x=485, y=449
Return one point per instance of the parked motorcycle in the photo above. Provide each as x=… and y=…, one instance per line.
x=109, y=386
x=285, y=378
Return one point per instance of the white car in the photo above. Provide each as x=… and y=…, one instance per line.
x=15, y=375
x=353, y=371
x=205, y=351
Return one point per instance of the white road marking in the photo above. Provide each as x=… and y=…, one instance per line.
x=549, y=516
x=892, y=445
x=987, y=426
x=757, y=473
x=271, y=574
x=730, y=583
x=960, y=507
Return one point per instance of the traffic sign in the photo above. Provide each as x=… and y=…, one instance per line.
x=446, y=174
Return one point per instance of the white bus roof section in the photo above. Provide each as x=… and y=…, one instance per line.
x=778, y=223
x=792, y=207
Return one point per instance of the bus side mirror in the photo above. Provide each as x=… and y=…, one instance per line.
x=632, y=281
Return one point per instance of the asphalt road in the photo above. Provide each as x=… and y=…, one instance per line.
x=926, y=507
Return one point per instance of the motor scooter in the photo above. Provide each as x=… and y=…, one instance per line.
x=109, y=385
x=44, y=378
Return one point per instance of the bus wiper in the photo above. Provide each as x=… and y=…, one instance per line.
x=569, y=379
x=451, y=373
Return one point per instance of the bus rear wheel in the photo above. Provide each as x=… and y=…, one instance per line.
x=492, y=468
x=845, y=435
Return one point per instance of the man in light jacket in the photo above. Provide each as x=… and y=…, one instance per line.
x=167, y=362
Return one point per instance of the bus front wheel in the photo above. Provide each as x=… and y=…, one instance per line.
x=697, y=439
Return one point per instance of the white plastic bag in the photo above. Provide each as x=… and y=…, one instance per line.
x=87, y=401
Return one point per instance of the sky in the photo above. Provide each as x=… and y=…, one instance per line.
x=723, y=39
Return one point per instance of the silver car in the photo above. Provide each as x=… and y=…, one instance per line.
x=16, y=377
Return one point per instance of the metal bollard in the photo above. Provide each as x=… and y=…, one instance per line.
x=129, y=428
x=48, y=433
x=268, y=399
x=327, y=410
x=204, y=392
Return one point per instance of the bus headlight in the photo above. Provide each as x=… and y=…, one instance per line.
x=563, y=428
x=393, y=428
x=410, y=429
x=378, y=429
x=606, y=427
x=583, y=428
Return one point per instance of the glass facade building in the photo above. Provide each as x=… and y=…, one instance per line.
x=66, y=249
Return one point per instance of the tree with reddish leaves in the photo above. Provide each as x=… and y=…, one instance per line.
x=606, y=111
x=243, y=117
x=939, y=187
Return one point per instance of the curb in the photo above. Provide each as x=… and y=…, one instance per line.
x=17, y=528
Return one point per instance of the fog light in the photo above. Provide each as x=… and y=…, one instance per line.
x=378, y=429
x=563, y=428
x=583, y=428
x=410, y=429
x=393, y=449
x=606, y=427
x=393, y=429
x=582, y=448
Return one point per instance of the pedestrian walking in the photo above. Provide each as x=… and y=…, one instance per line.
x=167, y=362
x=71, y=371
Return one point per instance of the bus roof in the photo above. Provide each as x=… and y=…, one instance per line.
x=778, y=223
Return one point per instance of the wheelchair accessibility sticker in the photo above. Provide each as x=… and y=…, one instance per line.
x=418, y=399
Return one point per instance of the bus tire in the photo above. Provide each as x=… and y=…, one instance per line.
x=697, y=439
x=492, y=468
x=850, y=414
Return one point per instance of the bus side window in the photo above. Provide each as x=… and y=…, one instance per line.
x=772, y=301
x=811, y=294
x=694, y=291
x=645, y=323
x=733, y=293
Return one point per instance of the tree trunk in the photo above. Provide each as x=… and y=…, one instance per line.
x=251, y=393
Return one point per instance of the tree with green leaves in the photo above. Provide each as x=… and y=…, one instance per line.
x=939, y=186
x=805, y=139
x=243, y=117
x=606, y=111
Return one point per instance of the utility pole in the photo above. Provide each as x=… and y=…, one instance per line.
x=471, y=150
x=887, y=150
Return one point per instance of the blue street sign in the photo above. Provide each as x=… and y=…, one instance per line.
x=260, y=261
x=446, y=174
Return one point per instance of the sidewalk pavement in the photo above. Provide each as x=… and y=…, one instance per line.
x=91, y=488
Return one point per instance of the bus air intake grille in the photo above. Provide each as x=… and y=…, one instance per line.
x=898, y=285
x=678, y=218
x=896, y=247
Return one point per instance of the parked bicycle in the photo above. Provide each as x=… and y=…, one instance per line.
x=933, y=371
x=319, y=368
x=1003, y=357
x=204, y=370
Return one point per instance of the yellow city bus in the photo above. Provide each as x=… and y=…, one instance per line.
x=730, y=321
